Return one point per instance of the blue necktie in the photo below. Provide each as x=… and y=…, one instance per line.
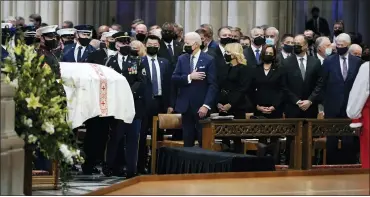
x=154, y=79
x=191, y=64
x=170, y=50
x=79, y=54
x=258, y=56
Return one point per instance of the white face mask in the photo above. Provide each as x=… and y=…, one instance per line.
x=31, y=24
x=328, y=51
x=270, y=41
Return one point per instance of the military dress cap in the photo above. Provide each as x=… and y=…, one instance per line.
x=51, y=29
x=122, y=36
x=109, y=34
x=66, y=31
x=6, y=25
x=84, y=28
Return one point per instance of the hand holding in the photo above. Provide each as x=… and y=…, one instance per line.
x=169, y=110
x=304, y=105
x=226, y=107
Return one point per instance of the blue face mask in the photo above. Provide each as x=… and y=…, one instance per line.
x=270, y=41
x=133, y=32
x=328, y=51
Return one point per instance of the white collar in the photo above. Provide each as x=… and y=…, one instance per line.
x=255, y=48
x=221, y=48
x=346, y=56
x=304, y=57
x=319, y=56
x=197, y=54
x=171, y=43
x=151, y=57
x=78, y=45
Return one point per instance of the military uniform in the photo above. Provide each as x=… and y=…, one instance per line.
x=131, y=68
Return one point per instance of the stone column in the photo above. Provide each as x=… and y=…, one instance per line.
x=12, y=151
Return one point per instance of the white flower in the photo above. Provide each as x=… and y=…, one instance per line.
x=32, y=139
x=48, y=127
x=27, y=121
x=67, y=154
x=14, y=83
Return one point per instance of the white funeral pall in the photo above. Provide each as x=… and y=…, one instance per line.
x=95, y=90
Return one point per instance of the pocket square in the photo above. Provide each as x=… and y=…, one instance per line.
x=201, y=67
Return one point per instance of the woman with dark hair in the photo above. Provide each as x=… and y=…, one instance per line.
x=267, y=85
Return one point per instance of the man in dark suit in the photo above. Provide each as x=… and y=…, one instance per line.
x=341, y=69
x=195, y=75
x=102, y=55
x=252, y=54
x=301, y=75
x=318, y=24
x=209, y=42
x=338, y=28
x=287, y=46
x=310, y=37
x=79, y=51
x=157, y=92
x=129, y=65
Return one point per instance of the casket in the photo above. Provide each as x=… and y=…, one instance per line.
x=96, y=90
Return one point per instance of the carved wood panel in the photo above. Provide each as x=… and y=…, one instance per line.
x=253, y=129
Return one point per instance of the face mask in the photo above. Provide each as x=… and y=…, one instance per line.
x=29, y=40
x=225, y=41
x=259, y=41
x=234, y=40
x=288, y=48
x=298, y=49
x=133, y=32
x=202, y=46
x=245, y=46
x=268, y=59
x=342, y=51
x=134, y=52
x=315, y=15
x=31, y=24
x=337, y=32
x=227, y=57
x=84, y=41
x=270, y=41
x=152, y=50
x=167, y=37
x=188, y=49
x=51, y=44
x=112, y=46
x=365, y=58
x=175, y=37
x=310, y=41
x=328, y=51
x=68, y=42
x=125, y=50
x=102, y=45
x=140, y=37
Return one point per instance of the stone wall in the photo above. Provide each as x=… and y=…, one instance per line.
x=12, y=147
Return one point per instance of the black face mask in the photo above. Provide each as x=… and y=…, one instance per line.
x=268, y=59
x=112, y=46
x=310, y=41
x=342, y=51
x=202, y=46
x=29, y=40
x=245, y=46
x=152, y=50
x=188, y=49
x=168, y=36
x=134, y=53
x=298, y=49
x=175, y=36
x=84, y=41
x=102, y=45
x=337, y=32
x=227, y=57
x=67, y=42
x=225, y=41
x=259, y=41
x=365, y=57
x=51, y=44
x=315, y=15
x=288, y=48
x=140, y=37
x=234, y=40
x=125, y=50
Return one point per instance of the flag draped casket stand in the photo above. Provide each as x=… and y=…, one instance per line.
x=95, y=90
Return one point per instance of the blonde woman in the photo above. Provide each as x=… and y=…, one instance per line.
x=139, y=47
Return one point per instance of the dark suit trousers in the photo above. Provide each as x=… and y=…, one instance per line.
x=191, y=128
x=97, y=130
x=347, y=153
x=132, y=133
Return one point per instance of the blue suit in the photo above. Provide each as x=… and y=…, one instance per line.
x=69, y=53
x=213, y=44
x=335, y=97
x=191, y=96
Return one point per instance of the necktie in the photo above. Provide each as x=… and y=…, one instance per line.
x=191, y=63
x=169, y=48
x=345, y=68
x=79, y=54
x=258, y=56
x=154, y=79
x=301, y=67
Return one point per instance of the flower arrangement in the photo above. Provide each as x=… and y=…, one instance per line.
x=40, y=107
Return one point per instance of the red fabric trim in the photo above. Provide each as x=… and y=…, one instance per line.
x=103, y=93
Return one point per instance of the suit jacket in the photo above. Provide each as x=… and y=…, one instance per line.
x=249, y=55
x=165, y=82
x=212, y=45
x=323, y=27
x=335, y=89
x=69, y=53
x=177, y=51
x=198, y=92
x=295, y=88
x=98, y=57
x=220, y=63
x=136, y=80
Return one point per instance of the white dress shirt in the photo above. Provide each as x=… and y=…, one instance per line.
x=111, y=52
x=222, y=49
x=341, y=62
x=76, y=51
x=255, y=48
x=320, y=58
x=285, y=55
x=157, y=67
x=359, y=92
x=304, y=61
x=120, y=59
x=171, y=43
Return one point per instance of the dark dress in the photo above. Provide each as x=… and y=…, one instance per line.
x=268, y=90
x=233, y=89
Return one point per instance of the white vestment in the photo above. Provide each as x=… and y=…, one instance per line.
x=95, y=90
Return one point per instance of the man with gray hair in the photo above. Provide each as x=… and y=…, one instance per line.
x=324, y=49
x=355, y=50
x=339, y=73
x=195, y=72
x=252, y=54
x=272, y=36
